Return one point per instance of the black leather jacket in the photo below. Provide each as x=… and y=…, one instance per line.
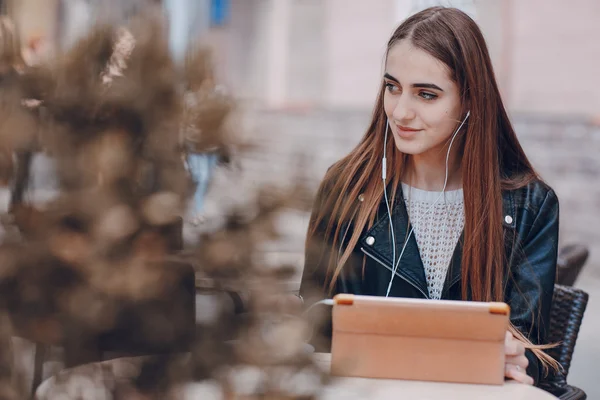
x=531, y=242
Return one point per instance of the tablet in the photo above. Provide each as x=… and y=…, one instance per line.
x=419, y=339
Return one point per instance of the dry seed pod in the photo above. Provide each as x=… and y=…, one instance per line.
x=117, y=223
x=129, y=278
x=108, y=157
x=31, y=221
x=162, y=208
x=8, y=263
x=6, y=166
x=89, y=307
x=122, y=184
x=204, y=118
x=150, y=246
x=18, y=122
x=198, y=70
x=71, y=247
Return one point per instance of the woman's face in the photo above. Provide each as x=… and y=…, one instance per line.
x=421, y=101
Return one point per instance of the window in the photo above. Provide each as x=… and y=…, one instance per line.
x=219, y=12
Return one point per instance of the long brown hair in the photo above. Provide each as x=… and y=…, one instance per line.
x=492, y=160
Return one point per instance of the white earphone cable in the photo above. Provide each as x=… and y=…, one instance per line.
x=395, y=263
x=387, y=203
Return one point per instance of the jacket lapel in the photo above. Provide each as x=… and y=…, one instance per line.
x=378, y=241
x=454, y=269
x=508, y=221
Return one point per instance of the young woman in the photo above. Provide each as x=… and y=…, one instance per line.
x=438, y=200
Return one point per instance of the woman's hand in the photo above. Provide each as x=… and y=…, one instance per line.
x=515, y=362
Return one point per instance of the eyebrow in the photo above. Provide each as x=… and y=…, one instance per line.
x=415, y=85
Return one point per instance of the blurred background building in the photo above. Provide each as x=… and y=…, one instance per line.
x=329, y=53
x=309, y=71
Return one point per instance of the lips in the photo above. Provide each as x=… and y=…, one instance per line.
x=406, y=129
x=406, y=132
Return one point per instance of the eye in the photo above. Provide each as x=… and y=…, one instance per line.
x=392, y=88
x=428, y=95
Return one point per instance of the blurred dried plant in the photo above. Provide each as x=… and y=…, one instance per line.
x=118, y=117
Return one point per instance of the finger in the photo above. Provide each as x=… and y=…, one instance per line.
x=521, y=361
x=291, y=303
x=508, y=336
x=293, y=300
x=521, y=377
x=514, y=348
x=516, y=373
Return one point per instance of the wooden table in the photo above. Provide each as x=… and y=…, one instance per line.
x=340, y=388
x=384, y=389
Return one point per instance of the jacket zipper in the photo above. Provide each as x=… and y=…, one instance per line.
x=397, y=274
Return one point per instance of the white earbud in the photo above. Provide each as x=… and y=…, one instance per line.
x=396, y=264
x=384, y=159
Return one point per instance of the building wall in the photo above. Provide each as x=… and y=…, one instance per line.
x=329, y=53
x=307, y=80
x=356, y=37
x=250, y=54
x=545, y=52
x=555, y=59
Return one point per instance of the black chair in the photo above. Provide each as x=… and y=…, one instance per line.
x=571, y=259
x=565, y=320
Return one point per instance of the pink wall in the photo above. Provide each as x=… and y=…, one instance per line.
x=356, y=35
x=546, y=53
x=555, y=66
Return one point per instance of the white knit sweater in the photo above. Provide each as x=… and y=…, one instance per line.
x=437, y=228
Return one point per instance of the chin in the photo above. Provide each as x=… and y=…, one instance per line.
x=412, y=147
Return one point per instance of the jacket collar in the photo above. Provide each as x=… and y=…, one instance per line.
x=377, y=242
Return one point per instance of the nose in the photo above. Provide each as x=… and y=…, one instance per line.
x=404, y=110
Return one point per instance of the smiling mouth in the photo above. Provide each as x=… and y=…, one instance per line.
x=406, y=129
x=406, y=133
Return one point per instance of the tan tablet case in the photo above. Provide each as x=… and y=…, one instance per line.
x=429, y=340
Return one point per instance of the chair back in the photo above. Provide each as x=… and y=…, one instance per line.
x=566, y=314
x=571, y=260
